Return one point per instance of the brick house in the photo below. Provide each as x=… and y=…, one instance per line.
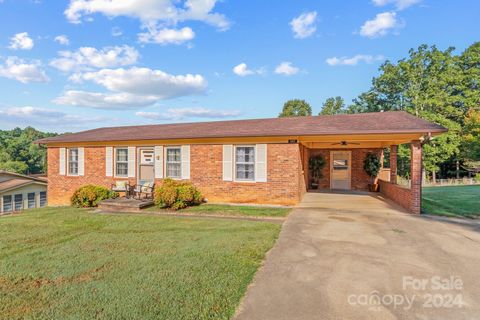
x=242, y=161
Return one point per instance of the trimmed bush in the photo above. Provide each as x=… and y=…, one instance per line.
x=177, y=195
x=90, y=195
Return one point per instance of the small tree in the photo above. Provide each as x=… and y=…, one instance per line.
x=296, y=108
x=316, y=165
x=372, y=166
x=333, y=106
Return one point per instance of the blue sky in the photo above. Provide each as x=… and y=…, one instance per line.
x=80, y=64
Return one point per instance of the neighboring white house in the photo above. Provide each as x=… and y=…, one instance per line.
x=18, y=192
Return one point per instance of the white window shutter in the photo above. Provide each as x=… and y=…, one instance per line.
x=185, y=154
x=109, y=161
x=261, y=163
x=227, y=162
x=158, y=162
x=81, y=161
x=131, y=162
x=61, y=162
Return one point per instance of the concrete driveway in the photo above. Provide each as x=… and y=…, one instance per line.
x=355, y=256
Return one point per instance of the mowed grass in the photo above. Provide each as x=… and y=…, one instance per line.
x=452, y=201
x=67, y=263
x=233, y=210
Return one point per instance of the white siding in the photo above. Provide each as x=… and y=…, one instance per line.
x=61, y=162
x=159, y=162
x=227, y=162
x=261, y=163
x=185, y=154
x=81, y=161
x=109, y=161
x=131, y=162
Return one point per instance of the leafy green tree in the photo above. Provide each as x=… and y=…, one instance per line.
x=19, y=154
x=296, y=108
x=432, y=84
x=333, y=106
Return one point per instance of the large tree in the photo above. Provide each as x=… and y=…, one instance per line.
x=296, y=108
x=333, y=106
x=19, y=154
x=432, y=84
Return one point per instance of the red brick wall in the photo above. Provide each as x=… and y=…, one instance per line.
x=61, y=187
x=285, y=181
x=397, y=193
x=360, y=179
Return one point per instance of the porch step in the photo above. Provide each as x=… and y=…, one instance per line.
x=124, y=205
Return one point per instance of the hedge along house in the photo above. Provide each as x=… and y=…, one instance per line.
x=242, y=161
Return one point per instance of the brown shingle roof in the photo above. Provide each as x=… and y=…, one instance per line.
x=14, y=183
x=363, y=123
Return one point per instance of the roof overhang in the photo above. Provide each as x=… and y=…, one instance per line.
x=22, y=185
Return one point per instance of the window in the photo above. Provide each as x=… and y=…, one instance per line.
x=174, y=163
x=7, y=203
x=18, y=202
x=31, y=200
x=245, y=163
x=121, y=162
x=73, y=162
x=43, y=199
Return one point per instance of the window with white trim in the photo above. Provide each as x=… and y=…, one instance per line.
x=121, y=162
x=18, y=198
x=173, y=163
x=245, y=163
x=7, y=204
x=31, y=200
x=72, y=161
x=43, y=198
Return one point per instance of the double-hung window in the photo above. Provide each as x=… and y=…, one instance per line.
x=121, y=162
x=7, y=204
x=245, y=163
x=18, y=202
x=43, y=198
x=31, y=200
x=73, y=161
x=174, y=162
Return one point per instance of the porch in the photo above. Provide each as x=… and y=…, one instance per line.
x=344, y=160
x=123, y=204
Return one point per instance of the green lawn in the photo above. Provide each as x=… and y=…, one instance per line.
x=67, y=263
x=233, y=210
x=452, y=201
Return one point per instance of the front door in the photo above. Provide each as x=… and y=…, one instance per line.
x=146, y=171
x=340, y=170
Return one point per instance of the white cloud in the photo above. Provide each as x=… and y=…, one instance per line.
x=167, y=11
x=132, y=88
x=380, y=25
x=399, y=4
x=353, y=61
x=145, y=81
x=242, y=70
x=39, y=116
x=21, y=41
x=182, y=113
x=304, y=26
x=97, y=100
x=20, y=70
x=116, y=32
x=286, y=68
x=166, y=35
x=62, y=39
x=88, y=57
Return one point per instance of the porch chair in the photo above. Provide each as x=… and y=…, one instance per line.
x=121, y=186
x=146, y=189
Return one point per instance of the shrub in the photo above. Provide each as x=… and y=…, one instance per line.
x=90, y=195
x=177, y=195
x=372, y=165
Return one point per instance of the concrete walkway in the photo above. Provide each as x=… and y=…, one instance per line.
x=355, y=256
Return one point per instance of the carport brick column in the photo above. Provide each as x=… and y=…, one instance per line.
x=416, y=175
x=393, y=163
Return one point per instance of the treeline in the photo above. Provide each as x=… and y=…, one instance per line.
x=439, y=86
x=19, y=154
